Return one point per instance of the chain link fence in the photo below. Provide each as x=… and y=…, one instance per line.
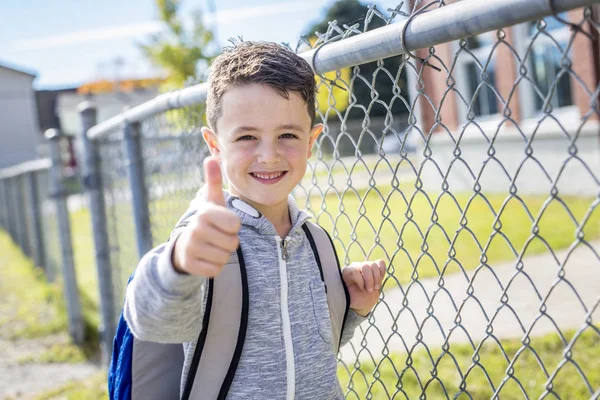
x=33, y=212
x=470, y=165
x=26, y=214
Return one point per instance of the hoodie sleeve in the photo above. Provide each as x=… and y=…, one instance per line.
x=353, y=320
x=162, y=305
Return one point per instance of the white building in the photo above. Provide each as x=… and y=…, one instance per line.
x=108, y=103
x=19, y=128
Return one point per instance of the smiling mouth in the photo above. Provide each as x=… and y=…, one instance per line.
x=268, y=177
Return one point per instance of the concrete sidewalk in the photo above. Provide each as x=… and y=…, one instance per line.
x=568, y=304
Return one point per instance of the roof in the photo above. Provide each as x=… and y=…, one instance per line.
x=13, y=67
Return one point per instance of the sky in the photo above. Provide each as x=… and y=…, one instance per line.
x=70, y=42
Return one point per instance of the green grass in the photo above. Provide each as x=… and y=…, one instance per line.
x=85, y=264
x=92, y=388
x=437, y=374
x=35, y=308
x=424, y=235
x=56, y=353
x=32, y=308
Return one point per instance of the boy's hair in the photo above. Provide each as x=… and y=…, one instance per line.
x=265, y=63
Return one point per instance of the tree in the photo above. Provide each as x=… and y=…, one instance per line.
x=350, y=12
x=181, y=48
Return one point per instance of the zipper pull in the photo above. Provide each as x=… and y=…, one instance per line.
x=284, y=252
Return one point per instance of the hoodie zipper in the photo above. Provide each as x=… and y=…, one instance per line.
x=285, y=318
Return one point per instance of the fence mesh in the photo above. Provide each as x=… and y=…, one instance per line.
x=119, y=213
x=29, y=217
x=472, y=169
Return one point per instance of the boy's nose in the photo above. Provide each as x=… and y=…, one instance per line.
x=268, y=154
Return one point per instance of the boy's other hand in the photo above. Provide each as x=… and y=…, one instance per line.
x=207, y=242
x=363, y=280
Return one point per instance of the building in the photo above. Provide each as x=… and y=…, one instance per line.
x=19, y=129
x=110, y=99
x=520, y=104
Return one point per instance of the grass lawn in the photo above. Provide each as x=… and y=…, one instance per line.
x=422, y=235
x=32, y=309
x=92, y=388
x=29, y=306
x=462, y=373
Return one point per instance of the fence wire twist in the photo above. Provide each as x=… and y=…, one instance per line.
x=472, y=169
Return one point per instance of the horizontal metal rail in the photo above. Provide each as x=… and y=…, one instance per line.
x=27, y=166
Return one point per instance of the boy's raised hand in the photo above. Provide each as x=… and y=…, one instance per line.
x=363, y=280
x=210, y=237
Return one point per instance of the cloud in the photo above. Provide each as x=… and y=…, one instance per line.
x=240, y=14
x=139, y=30
x=87, y=36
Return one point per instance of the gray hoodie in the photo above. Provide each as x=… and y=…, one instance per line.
x=288, y=352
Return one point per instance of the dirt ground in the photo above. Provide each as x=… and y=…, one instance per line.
x=20, y=379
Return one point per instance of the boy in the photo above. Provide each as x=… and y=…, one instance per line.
x=261, y=112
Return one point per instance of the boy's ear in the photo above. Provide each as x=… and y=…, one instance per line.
x=314, y=134
x=212, y=141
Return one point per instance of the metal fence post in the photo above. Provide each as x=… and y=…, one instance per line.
x=92, y=181
x=24, y=216
x=20, y=222
x=139, y=197
x=58, y=192
x=12, y=218
x=3, y=205
x=35, y=216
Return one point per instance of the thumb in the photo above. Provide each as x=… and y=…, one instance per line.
x=214, y=181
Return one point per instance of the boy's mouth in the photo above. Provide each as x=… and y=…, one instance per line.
x=268, y=177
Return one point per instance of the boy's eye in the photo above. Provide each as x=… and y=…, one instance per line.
x=289, y=136
x=245, y=137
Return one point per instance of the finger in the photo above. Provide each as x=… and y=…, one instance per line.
x=214, y=181
x=204, y=268
x=352, y=275
x=367, y=273
x=382, y=269
x=376, y=276
x=212, y=254
x=223, y=219
x=207, y=233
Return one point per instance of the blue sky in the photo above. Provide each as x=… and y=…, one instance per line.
x=72, y=42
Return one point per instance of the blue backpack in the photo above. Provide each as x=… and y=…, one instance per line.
x=147, y=370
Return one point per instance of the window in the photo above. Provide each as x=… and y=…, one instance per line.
x=486, y=103
x=545, y=62
x=469, y=76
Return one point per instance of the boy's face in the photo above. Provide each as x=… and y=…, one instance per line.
x=264, y=141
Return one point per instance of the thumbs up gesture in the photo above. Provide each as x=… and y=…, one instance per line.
x=210, y=237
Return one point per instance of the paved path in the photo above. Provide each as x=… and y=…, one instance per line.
x=521, y=312
x=23, y=380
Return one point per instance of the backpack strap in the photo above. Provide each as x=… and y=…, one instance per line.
x=338, y=297
x=223, y=333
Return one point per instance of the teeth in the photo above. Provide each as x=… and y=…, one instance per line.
x=272, y=175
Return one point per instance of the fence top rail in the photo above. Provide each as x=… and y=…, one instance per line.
x=452, y=22
x=25, y=167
